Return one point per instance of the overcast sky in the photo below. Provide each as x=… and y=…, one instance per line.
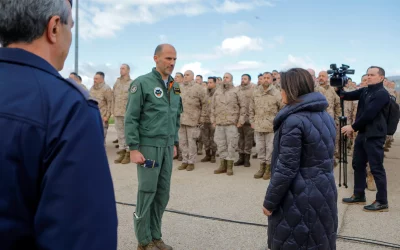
x=252, y=36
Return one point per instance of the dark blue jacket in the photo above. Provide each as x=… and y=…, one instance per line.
x=302, y=193
x=370, y=117
x=56, y=190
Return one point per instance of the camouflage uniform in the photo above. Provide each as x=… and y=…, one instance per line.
x=348, y=107
x=193, y=96
x=102, y=93
x=227, y=110
x=208, y=129
x=264, y=106
x=246, y=133
x=120, y=99
x=334, y=109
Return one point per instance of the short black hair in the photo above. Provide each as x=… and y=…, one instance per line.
x=350, y=79
x=275, y=71
x=212, y=78
x=179, y=73
x=200, y=76
x=247, y=76
x=259, y=75
x=100, y=73
x=79, y=77
x=267, y=73
x=381, y=71
x=74, y=73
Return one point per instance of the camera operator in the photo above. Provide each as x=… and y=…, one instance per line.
x=372, y=129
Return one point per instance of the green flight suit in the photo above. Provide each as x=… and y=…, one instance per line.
x=152, y=122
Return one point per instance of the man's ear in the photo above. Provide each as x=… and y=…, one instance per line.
x=53, y=28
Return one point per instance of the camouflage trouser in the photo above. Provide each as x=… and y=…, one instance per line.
x=227, y=138
x=264, y=144
x=207, y=134
x=246, y=139
x=120, y=127
x=105, y=128
x=188, y=136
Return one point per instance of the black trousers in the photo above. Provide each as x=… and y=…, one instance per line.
x=369, y=150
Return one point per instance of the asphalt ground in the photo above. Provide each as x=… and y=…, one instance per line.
x=220, y=212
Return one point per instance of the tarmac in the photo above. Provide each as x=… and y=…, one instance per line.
x=220, y=212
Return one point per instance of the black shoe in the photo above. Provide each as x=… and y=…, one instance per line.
x=354, y=200
x=240, y=162
x=376, y=207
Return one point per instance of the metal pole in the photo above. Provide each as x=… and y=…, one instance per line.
x=76, y=34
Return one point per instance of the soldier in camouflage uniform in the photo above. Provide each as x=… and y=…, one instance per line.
x=348, y=112
x=193, y=96
x=178, y=79
x=102, y=93
x=227, y=115
x=207, y=128
x=246, y=132
x=120, y=99
x=276, y=79
x=390, y=88
x=74, y=76
x=265, y=104
x=334, y=109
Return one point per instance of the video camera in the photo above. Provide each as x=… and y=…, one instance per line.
x=339, y=78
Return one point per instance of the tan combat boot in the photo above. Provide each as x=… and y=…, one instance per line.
x=127, y=158
x=190, y=167
x=121, y=155
x=229, y=165
x=161, y=245
x=267, y=173
x=261, y=171
x=212, y=160
x=150, y=246
x=370, y=182
x=207, y=157
x=183, y=166
x=222, y=167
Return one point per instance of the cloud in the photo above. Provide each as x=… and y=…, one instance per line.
x=245, y=65
x=230, y=6
x=197, y=69
x=300, y=62
x=237, y=44
x=104, y=18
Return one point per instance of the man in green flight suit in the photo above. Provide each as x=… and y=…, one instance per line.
x=152, y=122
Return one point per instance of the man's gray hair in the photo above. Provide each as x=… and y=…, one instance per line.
x=26, y=20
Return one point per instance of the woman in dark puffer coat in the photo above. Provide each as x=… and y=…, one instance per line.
x=301, y=199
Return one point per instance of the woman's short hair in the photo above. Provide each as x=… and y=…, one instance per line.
x=296, y=82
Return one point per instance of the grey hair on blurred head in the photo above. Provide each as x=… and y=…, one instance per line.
x=26, y=20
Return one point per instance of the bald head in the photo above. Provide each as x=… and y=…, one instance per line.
x=323, y=78
x=160, y=48
x=165, y=58
x=188, y=76
x=312, y=72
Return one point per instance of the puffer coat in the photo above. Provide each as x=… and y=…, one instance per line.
x=302, y=194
